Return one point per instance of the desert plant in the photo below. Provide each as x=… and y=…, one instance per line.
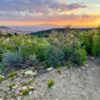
x=11, y=58
x=25, y=92
x=59, y=70
x=96, y=45
x=1, y=67
x=79, y=56
x=54, y=56
x=33, y=59
x=50, y=83
x=12, y=75
x=1, y=78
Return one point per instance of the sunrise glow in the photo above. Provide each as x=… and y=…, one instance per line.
x=77, y=13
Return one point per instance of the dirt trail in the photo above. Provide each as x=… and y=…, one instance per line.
x=72, y=84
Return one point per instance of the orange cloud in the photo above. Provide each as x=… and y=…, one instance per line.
x=79, y=21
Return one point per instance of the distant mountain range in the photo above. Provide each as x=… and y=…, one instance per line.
x=5, y=30
x=32, y=30
x=60, y=30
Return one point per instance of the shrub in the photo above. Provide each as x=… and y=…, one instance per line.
x=1, y=68
x=54, y=56
x=79, y=56
x=25, y=92
x=96, y=45
x=91, y=42
x=50, y=83
x=40, y=49
x=59, y=70
x=74, y=52
x=0, y=55
x=33, y=59
x=11, y=58
x=26, y=51
x=12, y=75
x=1, y=78
x=86, y=39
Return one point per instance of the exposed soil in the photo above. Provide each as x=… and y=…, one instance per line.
x=72, y=84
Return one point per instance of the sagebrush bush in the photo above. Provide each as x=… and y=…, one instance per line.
x=54, y=56
x=33, y=59
x=11, y=58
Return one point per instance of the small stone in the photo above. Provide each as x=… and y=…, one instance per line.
x=31, y=88
x=92, y=58
x=19, y=89
x=15, y=87
x=17, y=93
x=30, y=73
x=83, y=68
x=50, y=69
x=30, y=93
x=19, y=98
x=87, y=65
x=57, y=99
x=24, y=88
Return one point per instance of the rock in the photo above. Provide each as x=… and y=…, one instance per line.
x=30, y=73
x=24, y=88
x=57, y=99
x=30, y=93
x=15, y=87
x=19, y=98
x=92, y=58
x=17, y=93
x=50, y=69
x=19, y=89
x=83, y=68
x=31, y=88
x=87, y=65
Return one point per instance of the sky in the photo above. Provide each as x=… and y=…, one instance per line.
x=77, y=13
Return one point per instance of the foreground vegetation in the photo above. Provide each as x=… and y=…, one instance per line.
x=56, y=49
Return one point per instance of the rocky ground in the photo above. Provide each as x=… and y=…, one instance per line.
x=68, y=84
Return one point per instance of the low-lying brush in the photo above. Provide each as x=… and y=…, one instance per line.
x=52, y=51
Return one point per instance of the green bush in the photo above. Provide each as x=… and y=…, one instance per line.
x=25, y=92
x=12, y=75
x=91, y=42
x=54, y=56
x=11, y=58
x=79, y=56
x=33, y=59
x=86, y=39
x=40, y=49
x=1, y=78
x=1, y=67
x=96, y=45
x=50, y=83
